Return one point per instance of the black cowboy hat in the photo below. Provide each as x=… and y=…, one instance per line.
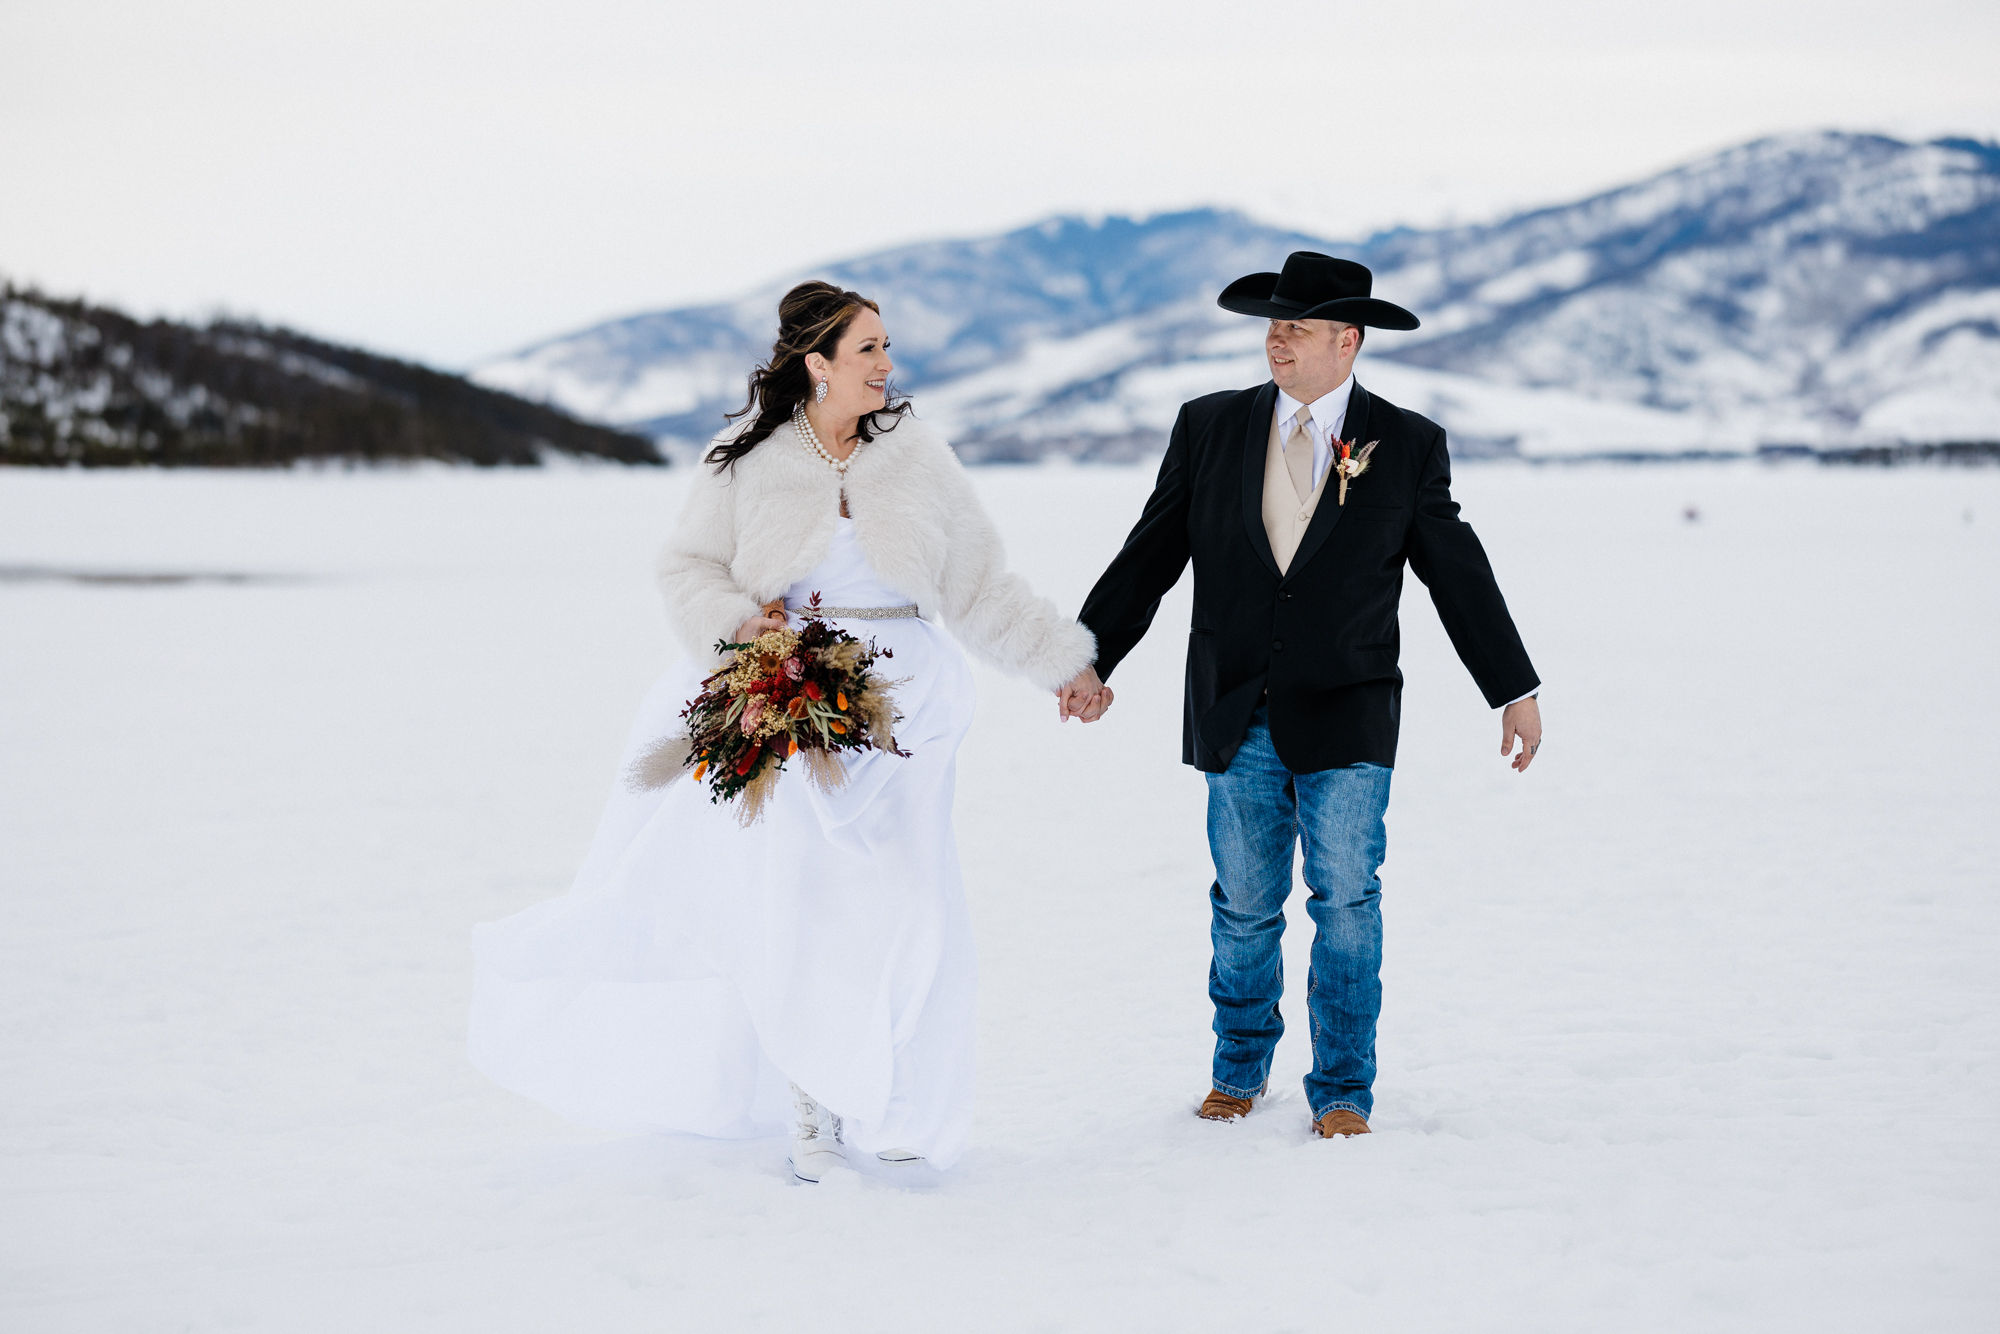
x=1315, y=287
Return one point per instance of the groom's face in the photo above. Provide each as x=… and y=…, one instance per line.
x=1310, y=357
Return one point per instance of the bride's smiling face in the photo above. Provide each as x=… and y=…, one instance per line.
x=857, y=375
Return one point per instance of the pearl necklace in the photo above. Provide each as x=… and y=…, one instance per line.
x=803, y=425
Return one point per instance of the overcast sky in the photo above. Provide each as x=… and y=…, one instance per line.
x=451, y=180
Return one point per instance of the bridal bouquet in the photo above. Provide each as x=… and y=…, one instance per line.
x=809, y=694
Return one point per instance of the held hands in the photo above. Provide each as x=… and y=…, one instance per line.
x=770, y=617
x=1085, y=697
x=1523, y=719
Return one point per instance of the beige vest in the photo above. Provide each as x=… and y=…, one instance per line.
x=1287, y=514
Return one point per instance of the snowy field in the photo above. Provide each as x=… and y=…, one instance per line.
x=1696, y=1026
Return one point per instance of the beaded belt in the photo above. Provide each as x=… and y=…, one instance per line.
x=863, y=613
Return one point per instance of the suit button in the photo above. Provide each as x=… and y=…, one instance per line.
x=1277, y=646
x=1304, y=517
x=1284, y=597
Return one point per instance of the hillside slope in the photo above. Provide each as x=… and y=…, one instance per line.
x=88, y=385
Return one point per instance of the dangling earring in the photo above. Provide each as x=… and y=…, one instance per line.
x=819, y=392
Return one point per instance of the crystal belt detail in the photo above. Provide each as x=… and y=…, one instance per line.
x=861, y=613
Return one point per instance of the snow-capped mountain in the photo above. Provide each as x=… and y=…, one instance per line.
x=959, y=311
x=1826, y=289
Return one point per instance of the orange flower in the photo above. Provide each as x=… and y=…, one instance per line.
x=699, y=770
x=792, y=749
x=797, y=708
x=840, y=698
x=839, y=726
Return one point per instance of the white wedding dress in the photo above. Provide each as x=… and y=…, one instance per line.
x=695, y=969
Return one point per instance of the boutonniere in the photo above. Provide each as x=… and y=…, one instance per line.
x=1352, y=463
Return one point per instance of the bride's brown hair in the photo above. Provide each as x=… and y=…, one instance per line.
x=812, y=317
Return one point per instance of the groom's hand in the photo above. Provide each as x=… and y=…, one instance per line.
x=1522, y=719
x=1085, y=697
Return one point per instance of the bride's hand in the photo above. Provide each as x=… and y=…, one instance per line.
x=772, y=618
x=1085, y=697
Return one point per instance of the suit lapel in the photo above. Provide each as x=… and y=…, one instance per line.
x=1257, y=443
x=1353, y=427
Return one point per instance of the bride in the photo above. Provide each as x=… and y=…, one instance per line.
x=815, y=970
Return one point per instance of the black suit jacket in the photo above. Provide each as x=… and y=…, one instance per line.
x=1323, y=638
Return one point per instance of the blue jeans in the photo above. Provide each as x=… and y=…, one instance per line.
x=1257, y=812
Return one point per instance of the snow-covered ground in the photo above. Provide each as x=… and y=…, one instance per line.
x=1693, y=1027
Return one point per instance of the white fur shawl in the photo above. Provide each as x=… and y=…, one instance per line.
x=747, y=535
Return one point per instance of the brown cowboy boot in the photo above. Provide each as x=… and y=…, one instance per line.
x=1340, y=1121
x=1220, y=1106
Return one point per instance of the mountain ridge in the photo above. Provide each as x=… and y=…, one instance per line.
x=1825, y=289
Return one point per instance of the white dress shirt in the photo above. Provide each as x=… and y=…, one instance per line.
x=1329, y=416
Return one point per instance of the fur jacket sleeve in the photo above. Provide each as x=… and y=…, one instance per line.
x=747, y=535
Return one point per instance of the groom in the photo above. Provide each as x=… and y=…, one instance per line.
x=1299, y=502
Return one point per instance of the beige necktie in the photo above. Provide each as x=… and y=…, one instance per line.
x=1299, y=455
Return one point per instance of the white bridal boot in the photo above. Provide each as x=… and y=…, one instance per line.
x=815, y=1138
